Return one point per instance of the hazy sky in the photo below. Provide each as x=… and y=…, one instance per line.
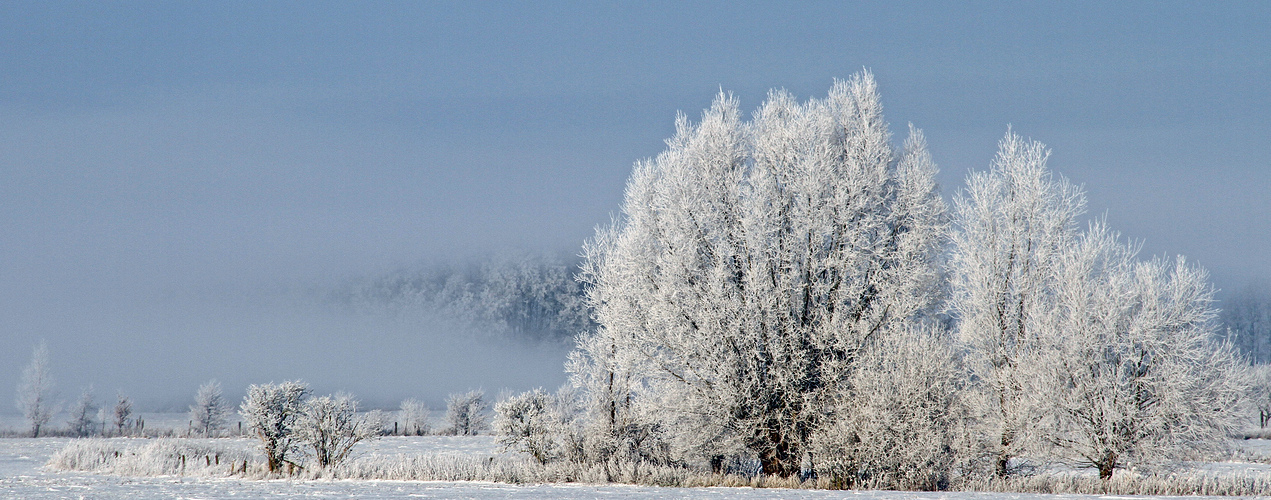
x=167, y=168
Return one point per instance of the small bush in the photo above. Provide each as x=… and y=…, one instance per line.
x=466, y=413
x=414, y=417
x=270, y=412
x=330, y=427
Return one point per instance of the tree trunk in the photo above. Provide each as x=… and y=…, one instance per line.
x=1107, y=464
x=1004, y=457
x=717, y=464
x=777, y=459
x=272, y=460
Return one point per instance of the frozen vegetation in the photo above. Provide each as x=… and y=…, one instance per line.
x=792, y=290
x=788, y=302
x=473, y=467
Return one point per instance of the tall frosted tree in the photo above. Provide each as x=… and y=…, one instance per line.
x=1011, y=227
x=1079, y=349
x=753, y=266
x=415, y=417
x=35, y=390
x=466, y=413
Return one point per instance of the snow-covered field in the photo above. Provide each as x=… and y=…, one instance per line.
x=23, y=476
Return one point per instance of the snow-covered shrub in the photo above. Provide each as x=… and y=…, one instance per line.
x=466, y=414
x=209, y=411
x=415, y=417
x=329, y=427
x=524, y=423
x=270, y=412
x=540, y=424
x=905, y=424
x=156, y=457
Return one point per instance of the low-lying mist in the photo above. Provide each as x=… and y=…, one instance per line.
x=382, y=337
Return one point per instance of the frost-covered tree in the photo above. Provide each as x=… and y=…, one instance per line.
x=466, y=414
x=415, y=417
x=81, y=423
x=1138, y=376
x=754, y=264
x=270, y=412
x=1011, y=227
x=123, y=413
x=209, y=411
x=35, y=390
x=1080, y=350
x=329, y=427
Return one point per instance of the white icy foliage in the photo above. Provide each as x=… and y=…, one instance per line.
x=329, y=427
x=209, y=412
x=414, y=414
x=123, y=413
x=754, y=265
x=1011, y=227
x=467, y=413
x=908, y=426
x=1079, y=350
x=1137, y=375
x=270, y=412
x=541, y=425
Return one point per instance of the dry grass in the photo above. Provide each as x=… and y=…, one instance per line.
x=206, y=458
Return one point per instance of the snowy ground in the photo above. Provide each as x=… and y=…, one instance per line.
x=22, y=476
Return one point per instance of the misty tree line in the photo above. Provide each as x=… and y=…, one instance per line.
x=524, y=296
x=792, y=290
x=1246, y=316
x=36, y=403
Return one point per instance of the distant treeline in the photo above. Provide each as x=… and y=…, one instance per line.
x=530, y=296
x=1246, y=318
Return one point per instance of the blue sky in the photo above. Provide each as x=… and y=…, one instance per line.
x=158, y=150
